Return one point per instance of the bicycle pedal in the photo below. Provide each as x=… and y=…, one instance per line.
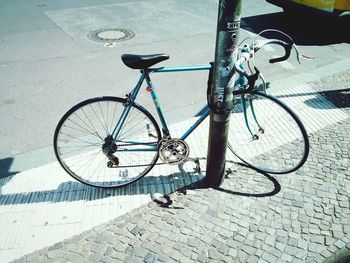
x=228, y=172
x=110, y=164
x=197, y=169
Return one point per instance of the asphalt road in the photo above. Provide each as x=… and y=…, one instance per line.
x=48, y=63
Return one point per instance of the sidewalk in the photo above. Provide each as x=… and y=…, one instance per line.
x=253, y=217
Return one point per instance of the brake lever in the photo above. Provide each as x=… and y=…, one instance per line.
x=251, y=83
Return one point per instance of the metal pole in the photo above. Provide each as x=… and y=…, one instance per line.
x=221, y=100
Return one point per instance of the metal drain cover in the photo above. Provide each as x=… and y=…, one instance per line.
x=111, y=34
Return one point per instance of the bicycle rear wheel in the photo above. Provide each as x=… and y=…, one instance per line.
x=267, y=135
x=86, y=150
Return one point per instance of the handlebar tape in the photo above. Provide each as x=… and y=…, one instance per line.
x=287, y=49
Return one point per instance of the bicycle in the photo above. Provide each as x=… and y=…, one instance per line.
x=111, y=141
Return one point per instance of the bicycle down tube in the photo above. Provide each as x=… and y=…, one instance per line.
x=145, y=76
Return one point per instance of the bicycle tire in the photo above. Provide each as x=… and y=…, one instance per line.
x=278, y=143
x=80, y=142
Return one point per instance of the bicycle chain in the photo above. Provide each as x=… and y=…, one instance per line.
x=138, y=165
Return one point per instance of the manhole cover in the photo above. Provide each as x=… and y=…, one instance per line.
x=111, y=34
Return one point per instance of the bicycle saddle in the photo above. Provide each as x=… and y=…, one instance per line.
x=143, y=61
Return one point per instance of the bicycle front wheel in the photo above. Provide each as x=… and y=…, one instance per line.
x=267, y=135
x=86, y=149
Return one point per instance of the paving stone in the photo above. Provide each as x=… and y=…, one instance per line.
x=213, y=253
x=109, y=251
x=150, y=258
x=337, y=234
x=176, y=255
x=223, y=249
x=248, y=249
x=297, y=260
x=339, y=244
x=317, y=239
x=233, y=252
x=287, y=258
x=162, y=257
x=239, y=238
x=291, y=250
x=326, y=253
x=252, y=259
x=302, y=244
x=297, y=204
x=146, y=244
x=269, y=258
x=193, y=242
x=314, y=247
x=329, y=241
x=129, y=259
x=301, y=254
x=336, y=227
x=270, y=240
x=119, y=247
x=242, y=256
x=282, y=239
x=280, y=246
x=106, y=259
x=94, y=257
x=129, y=250
x=140, y=252
x=233, y=243
x=124, y=239
x=202, y=257
x=314, y=230
x=332, y=248
x=293, y=242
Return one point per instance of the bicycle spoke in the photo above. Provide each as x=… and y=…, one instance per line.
x=93, y=128
x=82, y=146
x=281, y=148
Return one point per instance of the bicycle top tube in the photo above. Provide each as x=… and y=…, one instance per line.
x=180, y=68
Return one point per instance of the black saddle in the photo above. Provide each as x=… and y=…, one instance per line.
x=143, y=61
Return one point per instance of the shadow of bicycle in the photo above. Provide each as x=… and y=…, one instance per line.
x=152, y=186
x=71, y=191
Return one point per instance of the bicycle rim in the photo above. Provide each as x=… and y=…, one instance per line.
x=271, y=138
x=80, y=143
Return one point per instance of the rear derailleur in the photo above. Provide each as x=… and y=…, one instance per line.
x=109, y=148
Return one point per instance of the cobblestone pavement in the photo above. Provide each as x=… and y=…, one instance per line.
x=253, y=217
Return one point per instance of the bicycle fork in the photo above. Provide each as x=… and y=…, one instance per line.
x=245, y=108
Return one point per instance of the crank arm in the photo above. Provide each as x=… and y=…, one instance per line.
x=197, y=169
x=195, y=160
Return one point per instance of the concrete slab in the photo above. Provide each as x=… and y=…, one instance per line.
x=43, y=44
x=152, y=21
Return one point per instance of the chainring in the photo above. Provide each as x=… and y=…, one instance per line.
x=173, y=151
